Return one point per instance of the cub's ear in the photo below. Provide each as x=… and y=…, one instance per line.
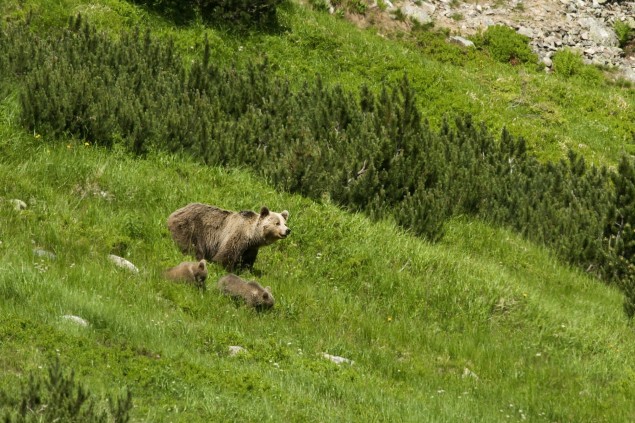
x=268, y=289
x=285, y=214
x=202, y=264
x=264, y=211
x=265, y=295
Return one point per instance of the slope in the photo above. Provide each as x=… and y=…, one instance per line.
x=481, y=327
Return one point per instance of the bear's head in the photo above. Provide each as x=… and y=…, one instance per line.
x=274, y=225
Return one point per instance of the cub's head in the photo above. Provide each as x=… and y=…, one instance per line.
x=274, y=225
x=200, y=274
x=262, y=299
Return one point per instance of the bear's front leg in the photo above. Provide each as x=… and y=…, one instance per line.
x=249, y=258
x=230, y=260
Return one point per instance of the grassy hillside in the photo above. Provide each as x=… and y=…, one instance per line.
x=554, y=113
x=482, y=326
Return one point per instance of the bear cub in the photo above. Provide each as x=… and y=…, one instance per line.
x=229, y=238
x=252, y=293
x=189, y=271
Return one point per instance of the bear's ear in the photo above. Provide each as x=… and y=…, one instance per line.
x=285, y=214
x=268, y=289
x=264, y=211
x=265, y=295
x=202, y=265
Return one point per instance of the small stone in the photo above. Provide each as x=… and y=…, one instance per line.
x=43, y=253
x=468, y=373
x=18, y=204
x=235, y=350
x=461, y=41
x=76, y=319
x=337, y=359
x=122, y=262
x=527, y=32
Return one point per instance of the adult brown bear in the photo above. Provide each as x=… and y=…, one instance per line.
x=229, y=238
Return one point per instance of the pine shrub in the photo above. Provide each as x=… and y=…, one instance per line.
x=506, y=45
x=60, y=398
x=239, y=14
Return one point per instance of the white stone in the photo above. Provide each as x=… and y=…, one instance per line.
x=123, y=263
x=76, y=319
x=468, y=373
x=462, y=41
x=18, y=204
x=235, y=350
x=527, y=32
x=43, y=253
x=599, y=33
x=418, y=13
x=337, y=359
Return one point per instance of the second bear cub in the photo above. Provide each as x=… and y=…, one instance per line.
x=252, y=293
x=189, y=271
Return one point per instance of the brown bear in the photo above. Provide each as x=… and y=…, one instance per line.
x=189, y=271
x=229, y=238
x=251, y=292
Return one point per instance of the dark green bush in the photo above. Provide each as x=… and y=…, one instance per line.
x=506, y=45
x=60, y=398
x=569, y=64
x=624, y=32
x=435, y=44
x=320, y=5
x=240, y=14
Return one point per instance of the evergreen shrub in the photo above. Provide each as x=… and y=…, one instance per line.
x=569, y=63
x=58, y=397
x=240, y=14
x=624, y=32
x=506, y=45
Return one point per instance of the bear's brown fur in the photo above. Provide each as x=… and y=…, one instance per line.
x=251, y=292
x=229, y=238
x=189, y=271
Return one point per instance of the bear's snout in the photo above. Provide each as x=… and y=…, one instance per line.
x=287, y=232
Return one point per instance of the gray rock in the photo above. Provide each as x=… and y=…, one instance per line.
x=527, y=32
x=629, y=74
x=123, y=263
x=417, y=13
x=600, y=33
x=337, y=359
x=44, y=254
x=461, y=41
x=547, y=61
x=468, y=373
x=76, y=319
x=235, y=350
x=18, y=204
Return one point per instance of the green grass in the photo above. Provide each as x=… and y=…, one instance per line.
x=545, y=342
x=481, y=327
